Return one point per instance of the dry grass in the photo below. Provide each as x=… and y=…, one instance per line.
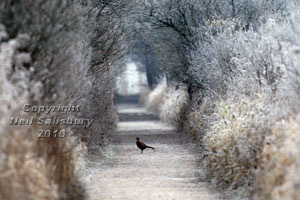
x=37, y=168
x=246, y=149
x=279, y=175
x=234, y=141
x=24, y=175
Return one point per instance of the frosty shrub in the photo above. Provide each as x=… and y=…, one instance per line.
x=143, y=97
x=169, y=103
x=157, y=97
x=174, y=106
x=198, y=118
x=244, y=56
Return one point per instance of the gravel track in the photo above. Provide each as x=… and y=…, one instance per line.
x=173, y=172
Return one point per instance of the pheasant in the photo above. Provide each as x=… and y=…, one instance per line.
x=142, y=145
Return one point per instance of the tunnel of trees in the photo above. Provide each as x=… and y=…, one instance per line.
x=213, y=66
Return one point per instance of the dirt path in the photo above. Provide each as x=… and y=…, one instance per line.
x=172, y=172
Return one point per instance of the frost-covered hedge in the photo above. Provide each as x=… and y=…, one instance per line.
x=48, y=56
x=30, y=168
x=252, y=84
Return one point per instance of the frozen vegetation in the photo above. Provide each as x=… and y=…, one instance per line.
x=225, y=72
